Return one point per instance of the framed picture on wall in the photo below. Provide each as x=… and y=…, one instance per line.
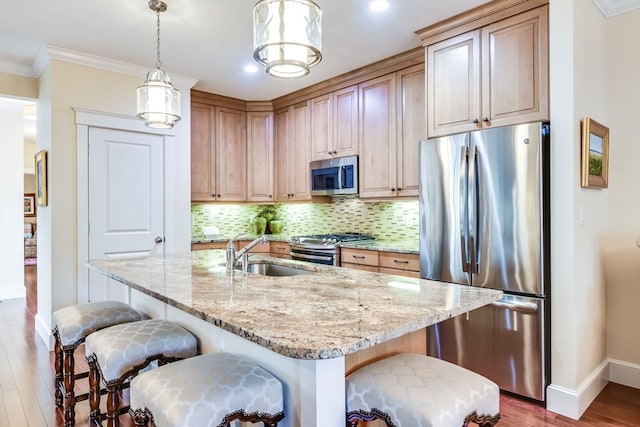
x=595, y=154
x=41, y=177
x=29, y=204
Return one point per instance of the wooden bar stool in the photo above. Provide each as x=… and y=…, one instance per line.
x=209, y=390
x=420, y=391
x=118, y=353
x=71, y=325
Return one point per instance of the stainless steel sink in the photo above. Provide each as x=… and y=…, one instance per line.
x=275, y=270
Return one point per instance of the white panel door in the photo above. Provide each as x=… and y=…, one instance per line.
x=126, y=201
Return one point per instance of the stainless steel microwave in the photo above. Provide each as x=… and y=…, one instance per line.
x=334, y=177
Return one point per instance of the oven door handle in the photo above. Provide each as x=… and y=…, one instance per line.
x=311, y=257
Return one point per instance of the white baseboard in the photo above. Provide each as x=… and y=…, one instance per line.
x=624, y=373
x=43, y=330
x=573, y=403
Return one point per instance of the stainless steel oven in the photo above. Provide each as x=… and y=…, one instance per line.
x=323, y=248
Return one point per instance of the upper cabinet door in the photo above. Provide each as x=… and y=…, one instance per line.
x=345, y=122
x=231, y=155
x=202, y=153
x=260, y=157
x=515, y=77
x=453, y=85
x=378, y=137
x=334, y=124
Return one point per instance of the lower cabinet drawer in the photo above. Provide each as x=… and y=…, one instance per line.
x=371, y=268
x=208, y=245
x=358, y=256
x=400, y=261
x=280, y=248
x=406, y=273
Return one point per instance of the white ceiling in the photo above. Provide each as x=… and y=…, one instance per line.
x=211, y=40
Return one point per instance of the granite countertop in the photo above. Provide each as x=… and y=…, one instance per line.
x=330, y=313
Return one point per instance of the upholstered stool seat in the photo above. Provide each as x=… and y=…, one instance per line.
x=71, y=325
x=208, y=390
x=420, y=391
x=118, y=353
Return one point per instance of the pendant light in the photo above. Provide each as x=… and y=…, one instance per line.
x=287, y=36
x=158, y=100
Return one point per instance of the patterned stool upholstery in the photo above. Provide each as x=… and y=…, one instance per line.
x=209, y=390
x=71, y=325
x=118, y=353
x=420, y=391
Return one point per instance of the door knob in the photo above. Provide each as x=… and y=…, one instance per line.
x=158, y=240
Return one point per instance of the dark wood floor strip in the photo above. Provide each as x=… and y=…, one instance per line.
x=26, y=383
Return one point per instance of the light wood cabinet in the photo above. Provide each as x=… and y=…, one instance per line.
x=492, y=76
x=411, y=128
x=260, y=248
x=201, y=246
x=400, y=264
x=377, y=137
x=218, y=154
x=392, y=121
x=334, y=124
x=280, y=250
x=292, y=153
x=260, y=157
x=360, y=259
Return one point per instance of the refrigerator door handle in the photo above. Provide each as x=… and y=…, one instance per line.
x=521, y=307
x=462, y=191
x=473, y=213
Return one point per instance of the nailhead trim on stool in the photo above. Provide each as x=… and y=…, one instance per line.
x=205, y=391
x=420, y=391
x=118, y=353
x=71, y=325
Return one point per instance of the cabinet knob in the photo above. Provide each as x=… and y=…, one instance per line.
x=485, y=119
x=335, y=152
x=329, y=152
x=475, y=121
x=399, y=189
x=392, y=189
x=218, y=196
x=270, y=196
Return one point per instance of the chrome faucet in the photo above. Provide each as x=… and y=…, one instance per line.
x=233, y=256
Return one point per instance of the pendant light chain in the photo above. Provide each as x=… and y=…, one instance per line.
x=158, y=62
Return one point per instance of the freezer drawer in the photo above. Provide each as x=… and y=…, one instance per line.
x=504, y=341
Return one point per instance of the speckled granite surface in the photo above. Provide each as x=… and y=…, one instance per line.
x=330, y=313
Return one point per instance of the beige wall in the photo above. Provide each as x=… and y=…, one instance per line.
x=18, y=86
x=64, y=86
x=623, y=256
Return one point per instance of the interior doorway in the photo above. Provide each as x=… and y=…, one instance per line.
x=18, y=249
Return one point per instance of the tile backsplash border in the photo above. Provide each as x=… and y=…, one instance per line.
x=385, y=220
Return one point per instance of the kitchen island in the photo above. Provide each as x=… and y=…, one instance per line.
x=299, y=327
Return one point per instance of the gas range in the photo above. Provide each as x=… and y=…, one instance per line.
x=323, y=248
x=331, y=239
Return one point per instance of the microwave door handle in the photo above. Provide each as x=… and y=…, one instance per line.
x=342, y=176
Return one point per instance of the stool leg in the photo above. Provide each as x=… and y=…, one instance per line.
x=140, y=417
x=94, y=390
x=59, y=376
x=69, y=393
x=113, y=405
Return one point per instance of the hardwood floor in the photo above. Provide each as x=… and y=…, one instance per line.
x=26, y=382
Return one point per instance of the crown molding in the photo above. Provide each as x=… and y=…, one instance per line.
x=48, y=53
x=611, y=8
x=18, y=69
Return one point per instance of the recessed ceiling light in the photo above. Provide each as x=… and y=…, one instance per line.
x=250, y=68
x=379, y=5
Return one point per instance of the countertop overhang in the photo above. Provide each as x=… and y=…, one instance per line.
x=331, y=313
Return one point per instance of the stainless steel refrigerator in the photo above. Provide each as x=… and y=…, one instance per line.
x=484, y=221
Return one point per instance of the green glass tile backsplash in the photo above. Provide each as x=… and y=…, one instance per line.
x=384, y=220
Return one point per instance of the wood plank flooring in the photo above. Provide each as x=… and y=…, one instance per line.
x=26, y=382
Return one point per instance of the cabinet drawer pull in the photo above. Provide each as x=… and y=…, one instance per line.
x=281, y=248
x=400, y=261
x=358, y=256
